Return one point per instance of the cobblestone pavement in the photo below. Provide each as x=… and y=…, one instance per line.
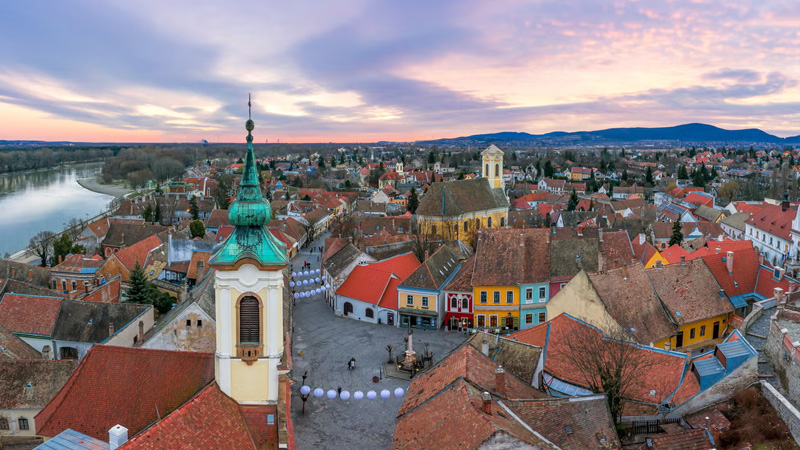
x=327, y=343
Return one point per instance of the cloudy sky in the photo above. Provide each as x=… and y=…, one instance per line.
x=364, y=70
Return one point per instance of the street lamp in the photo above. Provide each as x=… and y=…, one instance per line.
x=305, y=391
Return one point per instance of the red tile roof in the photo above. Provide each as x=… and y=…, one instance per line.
x=673, y=254
x=662, y=372
x=29, y=314
x=369, y=282
x=745, y=271
x=462, y=281
x=643, y=252
x=132, y=387
x=766, y=283
x=725, y=246
x=196, y=257
x=773, y=220
x=694, y=439
x=689, y=292
x=211, y=420
x=508, y=257
x=616, y=249
x=698, y=199
x=218, y=218
x=138, y=252
x=13, y=348
x=76, y=263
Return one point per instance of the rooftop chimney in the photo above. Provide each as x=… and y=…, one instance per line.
x=760, y=258
x=781, y=272
x=641, y=238
x=683, y=260
x=500, y=381
x=778, y=295
x=110, y=330
x=117, y=437
x=487, y=402
x=729, y=262
x=485, y=348
x=580, y=231
x=46, y=352
x=141, y=331
x=600, y=235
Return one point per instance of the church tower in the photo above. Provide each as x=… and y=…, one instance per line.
x=249, y=295
x=492, y=163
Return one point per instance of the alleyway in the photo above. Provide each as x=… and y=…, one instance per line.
x=327, y=343
x=756, y=336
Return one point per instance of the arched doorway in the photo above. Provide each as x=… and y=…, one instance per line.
x=348, y=308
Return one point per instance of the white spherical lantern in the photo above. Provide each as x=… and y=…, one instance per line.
x=305, y=390
x=345, y=395
x=318, y=392
x=324, y=277
x=317, y=272
x=371, y=395
x=305, y=274
x=296, y=295
x=385, y=393
x=316, y=280
x=305, y=282
x=317, y=291
x=331, y=394
x=399, y=392
x=294, y=274
x=291, y=284
x=358, y=395
x=328, y=286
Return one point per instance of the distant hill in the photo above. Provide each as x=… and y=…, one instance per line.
x=690, y=132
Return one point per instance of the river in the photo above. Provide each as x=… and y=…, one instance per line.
x=31, y=202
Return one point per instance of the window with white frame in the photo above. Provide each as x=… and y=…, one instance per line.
x=409, y=300
x=542, y=294
x=529, y=294
x=496, y=296
x=453, y=304
x=424, y=302
x=465, y=303
x=509, y=297
x=529, y=318
x=483, y=296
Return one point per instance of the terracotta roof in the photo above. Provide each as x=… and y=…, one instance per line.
x=766, y=283
x=462, y=281
x=333, y=245
x=127, y=234
x=13, y=348
x=389, y=297
x=368, y=282
x=32, y=384
x=454, y=198
x=728, y=245
x=664, y=372
x=745, y=271
x=673, y=254
x=506, y=257
x=749, y=208
x=196, y=257
x=697, y=199
x=342, y=259
x=578, y=423
x=570, y=256
x=40, y=276
x=211, y=420
x=79, y=264
x=218, y=218
x=138, y=252
x=29, y=314
x=130, y=386
x=315, y=216
x=517, y=358
x=630, y=299
x=392, y=225
x=643, y=252
x=689, y=291
x=694, y=439
x=616, y=249
x=455, y=420
x=434, y=271
x=773, y=220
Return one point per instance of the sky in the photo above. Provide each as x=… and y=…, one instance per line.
x=364, y=70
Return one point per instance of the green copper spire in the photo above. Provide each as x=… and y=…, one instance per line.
x=249, y=213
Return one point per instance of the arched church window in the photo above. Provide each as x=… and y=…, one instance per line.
x=249, y=325
x=487, y=170
x=497, y=170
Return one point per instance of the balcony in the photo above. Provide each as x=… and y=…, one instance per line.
x=249, y=352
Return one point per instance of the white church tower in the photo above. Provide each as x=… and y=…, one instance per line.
x=249, y=296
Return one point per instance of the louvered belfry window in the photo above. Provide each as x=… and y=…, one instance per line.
x=248, y=321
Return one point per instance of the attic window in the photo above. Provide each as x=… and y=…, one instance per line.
x=652, y=393
x=568, y=429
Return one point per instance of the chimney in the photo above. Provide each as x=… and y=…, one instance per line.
x=683, y=260
x=580, y=231
x=781, y=272
x=117, y=437
x=729, y=262
x=46, y=352
x=778, y=295
x=110, y=330
x=122, y=241
x=760, y=258
x=485, y=349
x=201, y=269
x=141, y=331
x=60, y=259
x=600, y=236
x=500, y=381
x=641, y=238
x=487, y=402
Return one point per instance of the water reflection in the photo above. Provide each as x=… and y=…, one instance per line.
x=44, y=200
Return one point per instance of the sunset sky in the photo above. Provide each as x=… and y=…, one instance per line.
x=360, y=71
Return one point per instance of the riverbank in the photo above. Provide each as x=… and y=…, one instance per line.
x=116, y=190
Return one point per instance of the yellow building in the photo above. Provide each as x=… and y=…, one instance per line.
x=496, y=306
x=458, y=209
x=492, y=166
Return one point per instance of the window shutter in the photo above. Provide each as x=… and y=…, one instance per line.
x=248, y=321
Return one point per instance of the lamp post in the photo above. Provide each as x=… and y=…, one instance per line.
x=305, y=391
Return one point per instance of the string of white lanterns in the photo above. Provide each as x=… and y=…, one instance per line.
x=357, y=395
x=314, y=278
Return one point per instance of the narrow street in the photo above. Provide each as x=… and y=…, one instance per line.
x=327, y=343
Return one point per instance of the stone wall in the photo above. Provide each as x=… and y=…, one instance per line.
x=746, y=375
x=786, y=410
x=786, y=368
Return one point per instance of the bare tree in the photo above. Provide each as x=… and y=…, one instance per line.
x=41, y=244
x=74, y=228
x=612, y=365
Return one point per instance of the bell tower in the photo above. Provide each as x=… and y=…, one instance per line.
x=249, y=295
x=492, y=166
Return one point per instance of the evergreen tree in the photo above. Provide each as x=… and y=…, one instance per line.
x=549, y=171
x=573, y=201
x=333, y=161
x=63, y=246
x=698, y=179
x=321, y=163
x=148, y=213
x=194, y=210
x=677, y=235
x=648, y=176
x=624, y=174
x=138, y=290
x=413, y=201
x=157, y=213
x=341, y=158
x=682, y=174
x=197, y=229
x=431, y=158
